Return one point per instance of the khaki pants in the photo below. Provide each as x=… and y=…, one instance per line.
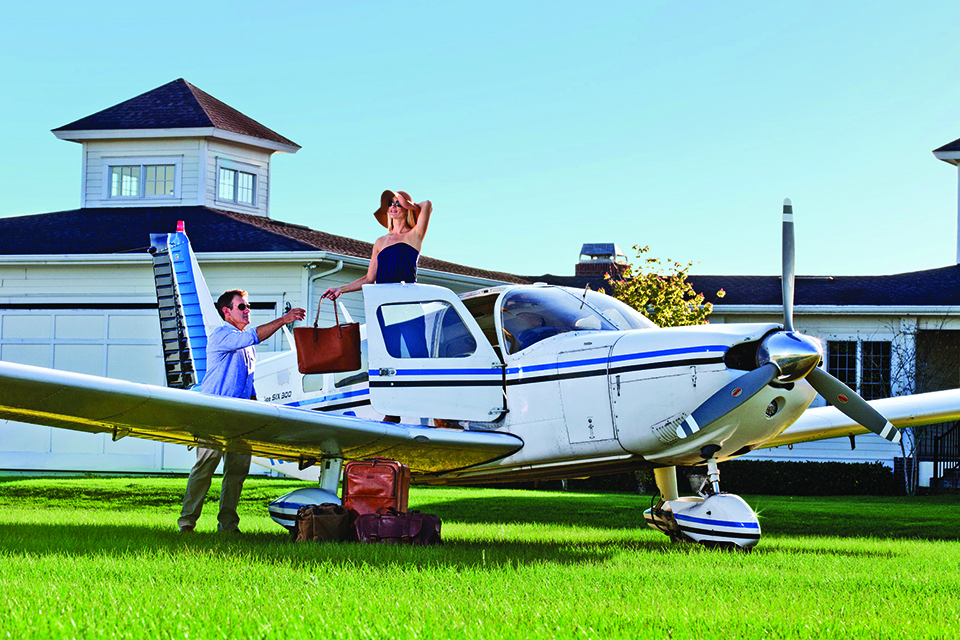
x=236, y=466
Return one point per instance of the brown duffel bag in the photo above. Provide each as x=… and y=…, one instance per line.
x=327, y=521
x=390, y=526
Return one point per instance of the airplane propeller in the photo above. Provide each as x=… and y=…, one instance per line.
x=788, y=356
x=852, y=405
x=788, y=262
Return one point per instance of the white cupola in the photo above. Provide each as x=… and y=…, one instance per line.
x=175, y=146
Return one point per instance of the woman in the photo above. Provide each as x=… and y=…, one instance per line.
x=394, y=260
x=395, y=255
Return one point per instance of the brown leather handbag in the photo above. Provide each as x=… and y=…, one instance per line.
x=330, y=349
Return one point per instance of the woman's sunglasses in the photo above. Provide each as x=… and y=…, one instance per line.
x=395, y=203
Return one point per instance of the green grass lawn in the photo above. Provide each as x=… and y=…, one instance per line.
x=100, y=557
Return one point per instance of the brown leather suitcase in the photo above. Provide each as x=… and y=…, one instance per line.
x=374, y=484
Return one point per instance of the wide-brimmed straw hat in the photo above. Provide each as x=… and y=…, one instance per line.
x=387, y=197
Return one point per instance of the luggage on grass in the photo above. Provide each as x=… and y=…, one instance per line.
x=390, y=526
x=321, y=522
x=373, y=484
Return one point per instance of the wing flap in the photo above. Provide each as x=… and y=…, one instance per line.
x=904, y=411
x=88, y=403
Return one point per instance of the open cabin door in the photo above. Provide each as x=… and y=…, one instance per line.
x=428, y=356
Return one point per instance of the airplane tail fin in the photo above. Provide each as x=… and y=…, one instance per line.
x=187, y=311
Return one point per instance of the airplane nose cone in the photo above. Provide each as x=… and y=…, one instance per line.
x=794, y=354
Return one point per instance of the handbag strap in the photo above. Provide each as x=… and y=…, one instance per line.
x=336, y=315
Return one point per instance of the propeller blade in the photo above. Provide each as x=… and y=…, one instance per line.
x=852, y=405
x=727, y=399
x=788, y=264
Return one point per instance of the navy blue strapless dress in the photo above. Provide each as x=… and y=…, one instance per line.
x=397, y=263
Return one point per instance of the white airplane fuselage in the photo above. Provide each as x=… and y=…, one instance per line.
x=580, y=400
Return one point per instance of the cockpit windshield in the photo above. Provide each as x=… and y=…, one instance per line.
x=531, y=315
x=619, y=313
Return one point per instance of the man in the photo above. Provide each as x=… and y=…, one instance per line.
x=230, y=362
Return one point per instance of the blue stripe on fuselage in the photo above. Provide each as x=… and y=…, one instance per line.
x=336, y=396
x=621, y=358
x=518, y=373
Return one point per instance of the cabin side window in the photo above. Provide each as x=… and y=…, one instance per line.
x=312, y=382
x=424, y=330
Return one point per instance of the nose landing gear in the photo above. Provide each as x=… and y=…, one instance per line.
x=713, y=519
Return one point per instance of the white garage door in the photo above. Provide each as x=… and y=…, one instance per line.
x=120, y=342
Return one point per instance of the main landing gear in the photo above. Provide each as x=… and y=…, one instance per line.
x=713, y=519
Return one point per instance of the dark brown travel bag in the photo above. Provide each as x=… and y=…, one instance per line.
x=390, y=526
x=321, y=522
x=373, y=484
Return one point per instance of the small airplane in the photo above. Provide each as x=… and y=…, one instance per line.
x=507, y=383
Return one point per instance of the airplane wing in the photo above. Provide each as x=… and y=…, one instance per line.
x=89, y=403
x=903, y=411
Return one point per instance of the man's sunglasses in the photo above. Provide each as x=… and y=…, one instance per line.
x=243, y=306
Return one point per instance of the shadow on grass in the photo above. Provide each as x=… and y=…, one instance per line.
x=147, y=544
x=600, y=511
x=891, y=518
x=131, y=540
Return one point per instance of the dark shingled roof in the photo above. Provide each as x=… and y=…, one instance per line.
x=932, y=287
x=952, y=146
x=127, y=230
x=175, y=105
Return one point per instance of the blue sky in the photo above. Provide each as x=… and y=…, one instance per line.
x=537, y=127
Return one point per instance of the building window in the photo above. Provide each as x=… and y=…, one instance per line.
x=862, y=365
x=125, y=182
x=875, y=370
x=159, y=180
x=237, y=186
x=146, y=178
x=142, y=181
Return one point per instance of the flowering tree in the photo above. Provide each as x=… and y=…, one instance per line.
x=660, y=291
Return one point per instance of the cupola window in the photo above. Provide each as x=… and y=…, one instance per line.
x=237, y=183
x=147, y=179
